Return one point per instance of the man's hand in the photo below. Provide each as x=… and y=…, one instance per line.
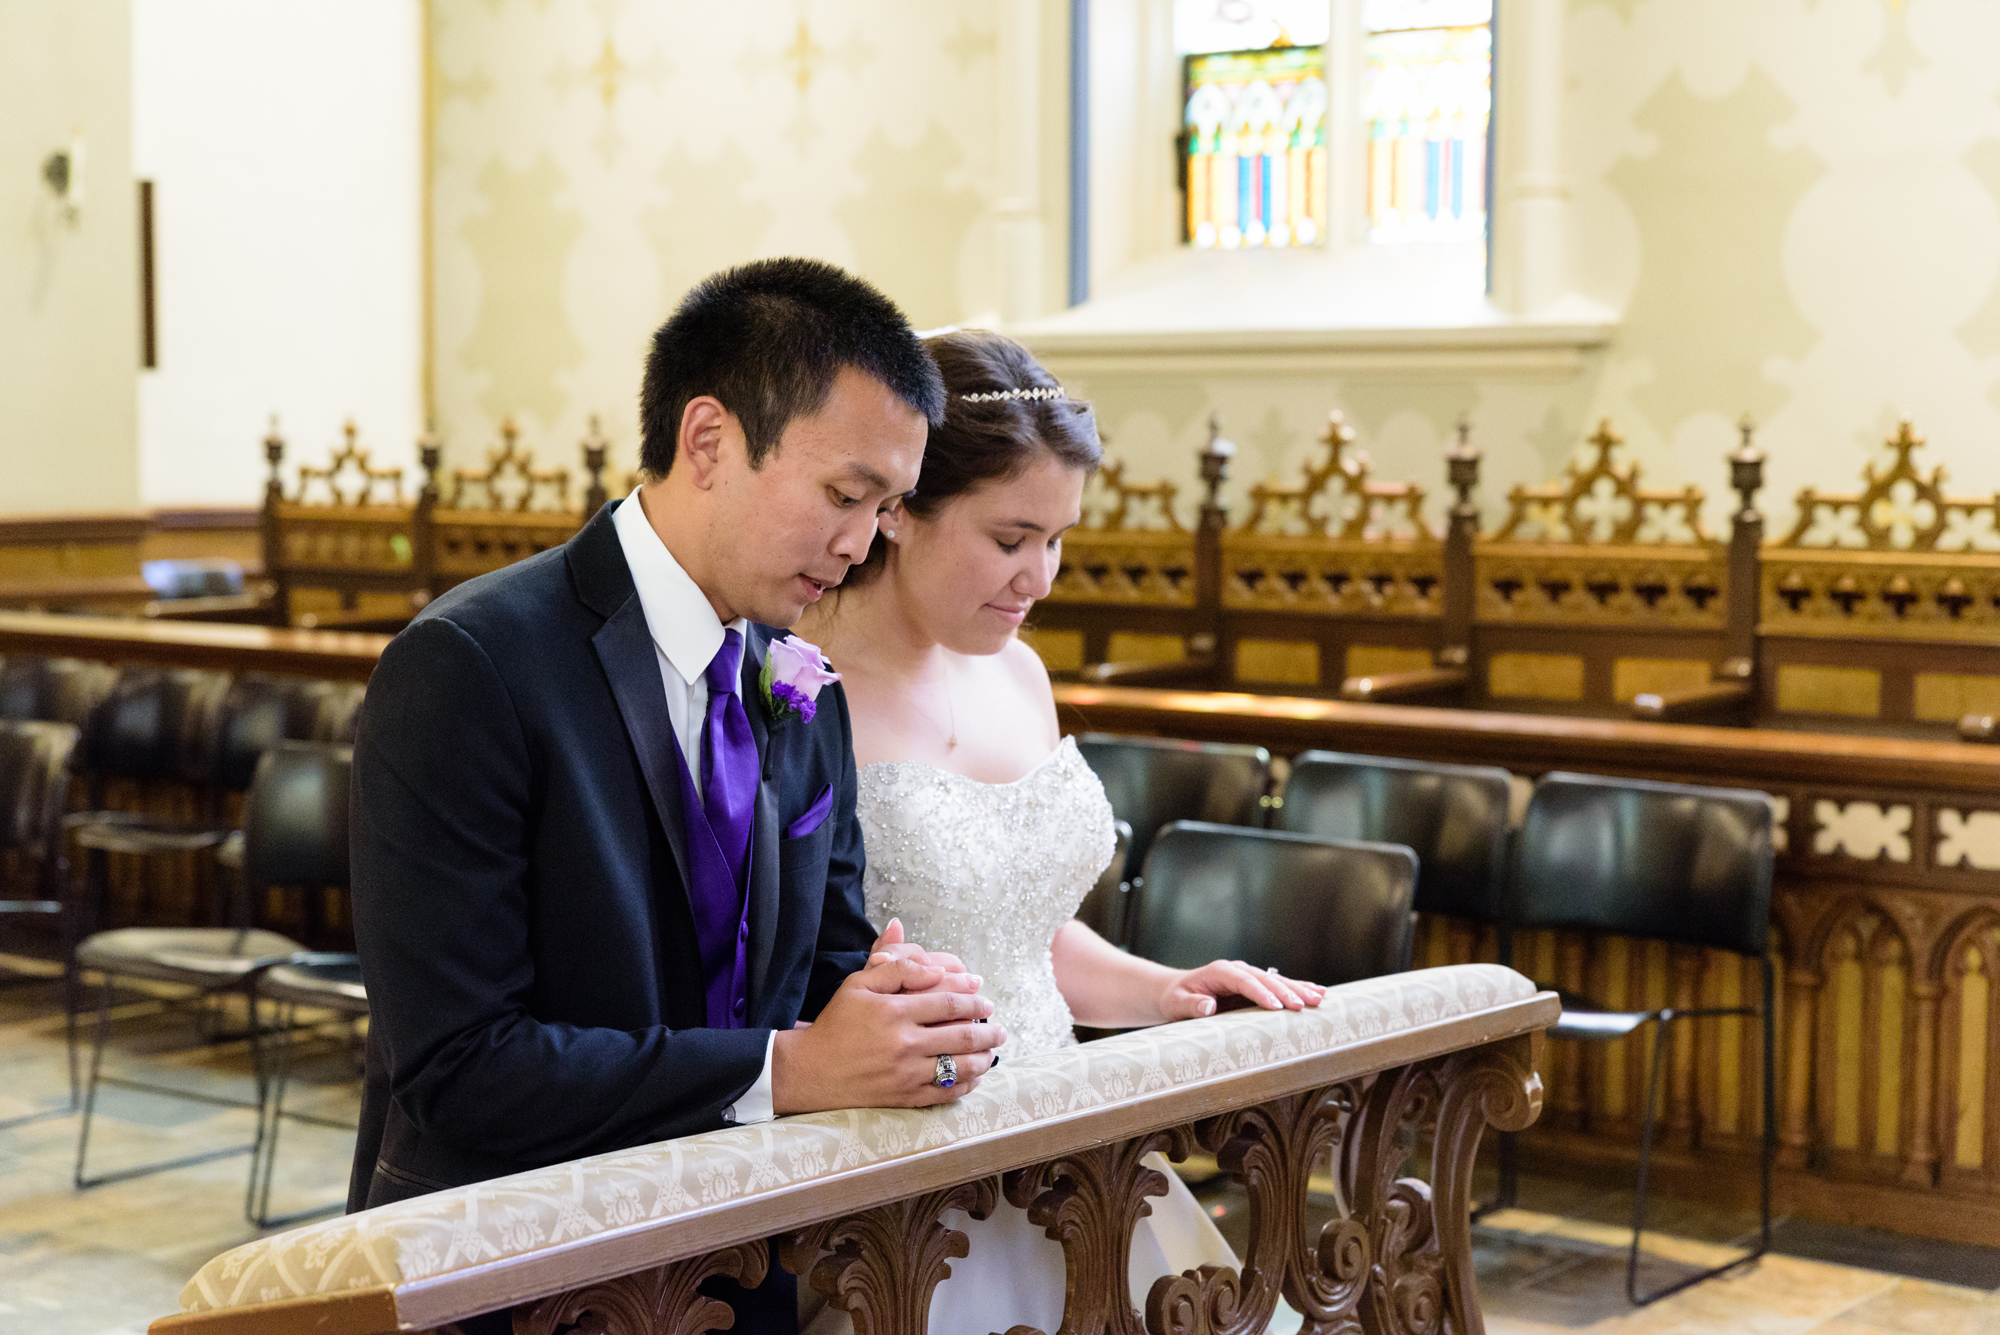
x=877, y=1041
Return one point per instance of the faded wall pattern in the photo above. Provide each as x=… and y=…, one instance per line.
x=593, y=158
x=1794, y=205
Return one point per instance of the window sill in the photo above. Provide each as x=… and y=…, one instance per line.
x=1372, y=309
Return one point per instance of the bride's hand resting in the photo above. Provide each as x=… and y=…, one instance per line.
x=1198, y=992
x=891, y=946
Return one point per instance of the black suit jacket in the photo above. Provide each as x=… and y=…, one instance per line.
x=520, y=883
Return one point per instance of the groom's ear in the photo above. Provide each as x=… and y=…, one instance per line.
x=704, y=425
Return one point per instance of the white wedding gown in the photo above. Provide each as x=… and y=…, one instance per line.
x=989, y=871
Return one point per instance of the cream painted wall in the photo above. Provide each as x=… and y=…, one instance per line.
x=69, y=340
x=594, y=158
x=1794, y=205
x=285, y=143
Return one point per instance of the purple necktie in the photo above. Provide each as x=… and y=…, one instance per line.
x=718, y=828
x=728, y=758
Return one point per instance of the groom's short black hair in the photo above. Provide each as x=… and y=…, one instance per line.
x=767, y=339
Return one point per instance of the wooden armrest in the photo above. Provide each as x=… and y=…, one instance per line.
x=1405, y=687
x=1676, y=706
x=1979, y=728
x=245, y=609
x=1197, y=671
x=368, y=621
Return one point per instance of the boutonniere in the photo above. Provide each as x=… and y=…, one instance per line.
x=793, y=673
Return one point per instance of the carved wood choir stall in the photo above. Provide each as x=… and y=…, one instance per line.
x=1388, y=1075
x=1879, y=610
x=347, y=547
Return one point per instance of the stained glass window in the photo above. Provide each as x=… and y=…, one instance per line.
x=1427, y=95
x=1255, y=125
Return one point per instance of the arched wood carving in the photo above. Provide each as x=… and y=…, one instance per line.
x=1091, y=1203
x=662, y=1301
x=881, y=1266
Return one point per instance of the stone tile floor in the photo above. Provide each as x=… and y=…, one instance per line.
x=108, y=1260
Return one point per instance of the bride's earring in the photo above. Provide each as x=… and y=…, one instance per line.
x=889, y=533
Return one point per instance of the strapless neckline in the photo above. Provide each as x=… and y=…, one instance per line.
x=1067, y=743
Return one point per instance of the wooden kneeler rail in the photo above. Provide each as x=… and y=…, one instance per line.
x=855, y=1199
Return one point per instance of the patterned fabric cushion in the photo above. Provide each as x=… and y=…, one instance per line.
x=511, y=1216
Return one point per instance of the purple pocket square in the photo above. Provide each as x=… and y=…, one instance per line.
x=814, y=817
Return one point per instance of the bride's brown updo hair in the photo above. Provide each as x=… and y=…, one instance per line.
x=983, y=440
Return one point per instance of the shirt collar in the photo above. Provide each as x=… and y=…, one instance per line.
x=679, y=616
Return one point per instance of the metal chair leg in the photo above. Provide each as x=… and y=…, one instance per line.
x=90, y=1088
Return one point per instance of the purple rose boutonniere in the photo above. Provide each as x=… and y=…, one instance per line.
x=793, y=673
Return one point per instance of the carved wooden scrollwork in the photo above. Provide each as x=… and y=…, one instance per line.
x=510, y=480
x=1599, y=498
x=662, y=1301
x=1114, y=505
x=348, y=479
x=1091, y=1202
x=1899, y=508
x=1355, y=510
x=1496, y=1086
x=881, y=1266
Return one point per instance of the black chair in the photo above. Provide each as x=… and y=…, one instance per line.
x=1103, y=909
x=1453, y=817
x=53, y=690
x=1152, y=781
x=34, y=794
x=338, y=713
x=1327, y=910
x=1665, y=862
x=295, y=834
x=295, y=830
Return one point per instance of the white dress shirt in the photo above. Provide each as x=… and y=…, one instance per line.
x=686, y=636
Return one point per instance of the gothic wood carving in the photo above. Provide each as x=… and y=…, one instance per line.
x=882, y=1265
x=663, y=1301
x=1357, y=509
x=348, y=479
x=510, y=480
x=1601, y=501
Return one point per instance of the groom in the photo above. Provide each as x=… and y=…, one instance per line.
x=600, y=870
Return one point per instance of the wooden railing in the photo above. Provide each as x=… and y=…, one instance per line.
x=1384, y=1072
x=1595, y=595
x=1887, y=905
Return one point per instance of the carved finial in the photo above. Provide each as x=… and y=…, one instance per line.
x=1338, y=434
x=595, y=451
x=430, y=452
x=1462, y=467
x=1746, y=468
x=349, y=430
x=509, y=432
x=1605, y=438
x=1215, y=457
x=274, y=447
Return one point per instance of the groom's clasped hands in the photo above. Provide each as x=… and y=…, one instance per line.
x=877, y=1042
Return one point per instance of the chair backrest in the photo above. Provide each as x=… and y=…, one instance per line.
x=34, y=785
x=1152, y=781
x=158, y=723
x=1454, y=817
x=295, y=820
x=338, y=713
x=55, y=690
x=261, y=711
x=1327, y=910
x=1103, y=909
x=1667, y=861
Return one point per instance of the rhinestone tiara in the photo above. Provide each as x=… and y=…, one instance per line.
x=1003, y=395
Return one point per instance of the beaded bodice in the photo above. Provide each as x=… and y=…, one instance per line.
x=989, y=871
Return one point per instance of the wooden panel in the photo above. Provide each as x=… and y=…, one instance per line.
x=1520, y=676
x=1946, y=697
x=1278, y=662
x=1379, y=660
x=1659, y=676
x=1133, y=647
x=1061, y=650
x=1808, y=689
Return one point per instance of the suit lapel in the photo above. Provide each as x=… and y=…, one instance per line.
x=763, y=887
x=625, y=648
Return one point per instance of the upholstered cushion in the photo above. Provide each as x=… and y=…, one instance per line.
x=213, y=956
x=134, y=832
x=548, y=1208
x=332, y=983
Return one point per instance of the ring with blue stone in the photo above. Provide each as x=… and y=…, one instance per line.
x=947, y=1072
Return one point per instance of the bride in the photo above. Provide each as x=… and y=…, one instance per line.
x=984, y=827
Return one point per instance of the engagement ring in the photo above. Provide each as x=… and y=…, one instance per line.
x=947, y=1072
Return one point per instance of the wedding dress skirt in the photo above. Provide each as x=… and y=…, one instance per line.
x=989, y=871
